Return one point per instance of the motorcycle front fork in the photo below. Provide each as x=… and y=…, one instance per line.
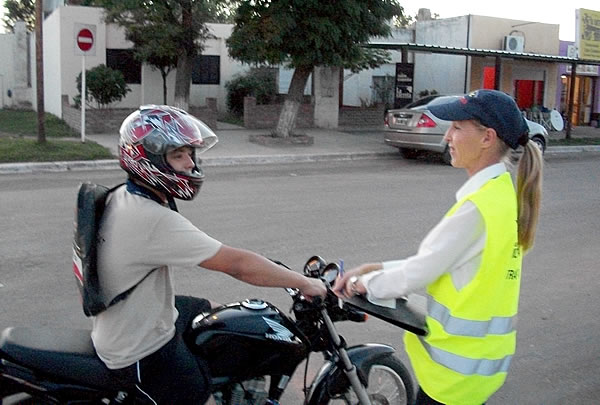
x=349, y=368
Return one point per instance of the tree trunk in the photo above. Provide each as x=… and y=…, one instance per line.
x=289, y=112
x=183, y=77
x=39, y=58
x=183, y=80
x=164, y=73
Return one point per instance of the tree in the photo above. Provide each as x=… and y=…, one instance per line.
x=405, y=21
x=103, y=85
x=150, y=48
x=309, y=33
x=19, y=10
x=163, y=28
x=24, y=10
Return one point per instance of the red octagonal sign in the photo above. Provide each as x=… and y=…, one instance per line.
x=85, y=40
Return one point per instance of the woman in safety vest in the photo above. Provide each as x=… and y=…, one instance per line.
x=470, y=262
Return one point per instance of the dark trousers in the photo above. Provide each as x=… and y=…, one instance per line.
x=171, y=375
x=424, y=399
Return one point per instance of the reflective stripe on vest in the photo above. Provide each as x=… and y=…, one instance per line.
x=465, y=365
x=464, y=327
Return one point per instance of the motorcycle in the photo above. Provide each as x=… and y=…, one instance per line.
x=252, y=349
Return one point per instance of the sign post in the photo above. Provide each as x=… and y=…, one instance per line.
x=84, y=45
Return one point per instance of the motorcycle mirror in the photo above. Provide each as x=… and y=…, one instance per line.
x=330, y=272
x=314, y=266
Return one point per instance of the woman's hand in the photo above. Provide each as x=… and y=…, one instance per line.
x=349, y=284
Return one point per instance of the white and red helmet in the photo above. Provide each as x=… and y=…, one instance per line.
x=149, y=133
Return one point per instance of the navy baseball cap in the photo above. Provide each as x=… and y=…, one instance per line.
x=492, y=108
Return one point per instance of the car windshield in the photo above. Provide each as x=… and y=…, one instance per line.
x=422, y=101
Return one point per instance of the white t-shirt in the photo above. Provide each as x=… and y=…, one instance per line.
x=136, y=236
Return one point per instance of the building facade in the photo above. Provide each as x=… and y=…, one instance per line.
x=534, y=84
x=62, y=63
x=586, y=100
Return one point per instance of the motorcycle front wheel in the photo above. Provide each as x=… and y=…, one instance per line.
x=389, y=383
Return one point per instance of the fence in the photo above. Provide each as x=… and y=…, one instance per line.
x=107, y=120
x=262, y=116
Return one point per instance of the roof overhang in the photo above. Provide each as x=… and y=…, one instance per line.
x=451, y=50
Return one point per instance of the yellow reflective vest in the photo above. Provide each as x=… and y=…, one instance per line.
x=465, y=357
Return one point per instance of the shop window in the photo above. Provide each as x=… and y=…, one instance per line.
x=124, y=61
x=206, y=69
x=383, y=90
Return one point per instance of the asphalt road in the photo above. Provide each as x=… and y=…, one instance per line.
x=359, y=211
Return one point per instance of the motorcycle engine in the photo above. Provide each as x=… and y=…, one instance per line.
x=249, y=392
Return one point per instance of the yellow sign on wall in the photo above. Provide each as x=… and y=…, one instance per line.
x=587, y=32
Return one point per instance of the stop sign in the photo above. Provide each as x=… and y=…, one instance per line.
x=85, y=39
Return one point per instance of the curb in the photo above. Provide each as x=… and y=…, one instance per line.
x=113, y=164
x=572, y=149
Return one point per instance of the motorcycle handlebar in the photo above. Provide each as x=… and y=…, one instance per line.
x=317, y=301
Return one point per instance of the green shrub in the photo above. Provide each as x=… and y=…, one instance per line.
x=103, y=86
x=258, y=83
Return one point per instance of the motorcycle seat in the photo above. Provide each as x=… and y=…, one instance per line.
x=64, y=353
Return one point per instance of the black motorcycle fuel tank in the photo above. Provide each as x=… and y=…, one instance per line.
x=246, y=339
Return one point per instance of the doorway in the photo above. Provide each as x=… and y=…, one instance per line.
x=583, y=99
x=529, y=94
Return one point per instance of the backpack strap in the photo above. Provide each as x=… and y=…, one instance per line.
x=126, y=293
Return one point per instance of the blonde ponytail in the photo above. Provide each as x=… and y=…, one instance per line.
x=529, y=193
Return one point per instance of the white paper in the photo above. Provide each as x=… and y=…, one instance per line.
x=383, y=302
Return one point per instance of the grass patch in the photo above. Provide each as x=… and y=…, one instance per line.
x=574, y=141
x=24, y=123
x=14, y=150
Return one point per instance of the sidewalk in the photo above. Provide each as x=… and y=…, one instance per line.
x=234, y=148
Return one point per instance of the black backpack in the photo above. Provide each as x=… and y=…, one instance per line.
x=91, y=201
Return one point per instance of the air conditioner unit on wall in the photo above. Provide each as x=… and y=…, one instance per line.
x=513, y=43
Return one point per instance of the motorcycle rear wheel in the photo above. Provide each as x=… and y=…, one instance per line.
x=390, y=383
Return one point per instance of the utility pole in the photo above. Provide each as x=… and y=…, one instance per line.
x=39, y=60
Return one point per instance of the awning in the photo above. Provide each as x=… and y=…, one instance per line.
x=498, y=54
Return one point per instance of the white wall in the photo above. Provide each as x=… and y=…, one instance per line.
x=61, y=65
x=52, y=66
x=228, y=68
x=7, y=78
x=443, y=73
x=358, y=86
x=13, y=68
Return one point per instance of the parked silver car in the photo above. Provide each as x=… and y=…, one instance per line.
x=414, y=128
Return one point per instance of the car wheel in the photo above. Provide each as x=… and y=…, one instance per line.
x=446, y=157
x=540, y=143
x=408, y=153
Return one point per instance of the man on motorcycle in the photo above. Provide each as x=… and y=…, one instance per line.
x=141, y=237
